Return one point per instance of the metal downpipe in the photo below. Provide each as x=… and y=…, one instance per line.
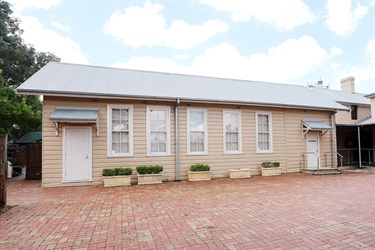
x=176, y=136
x=333, y=139
x=359, y=147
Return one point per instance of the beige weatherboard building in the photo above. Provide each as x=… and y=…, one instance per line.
x=96, y=117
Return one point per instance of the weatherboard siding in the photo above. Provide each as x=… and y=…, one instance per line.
x=288, y=145
x=345, y=117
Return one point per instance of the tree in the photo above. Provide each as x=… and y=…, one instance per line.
x=318, y=85
x=18, y=61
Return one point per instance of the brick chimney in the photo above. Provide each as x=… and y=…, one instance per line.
x=347, y=84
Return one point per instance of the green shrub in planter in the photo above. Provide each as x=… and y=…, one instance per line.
x=276, y=164
x=123, y=171
x=149, y=169
x=268, y=164
x=108, y=172
x=116, y=171
x=199, y=167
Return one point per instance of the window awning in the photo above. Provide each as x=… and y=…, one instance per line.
x=314, y=125
x=75, y=115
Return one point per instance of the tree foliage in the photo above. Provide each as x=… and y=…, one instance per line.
x=18, y=61
x=318, y=85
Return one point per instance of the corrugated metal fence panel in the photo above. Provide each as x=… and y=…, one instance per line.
x=34, y=161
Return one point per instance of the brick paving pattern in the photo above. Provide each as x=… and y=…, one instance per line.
x=292, y=211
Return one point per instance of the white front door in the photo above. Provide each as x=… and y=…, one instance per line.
x=313, y=152
x=77, y=158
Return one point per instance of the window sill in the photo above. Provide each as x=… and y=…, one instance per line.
x=119, y=156
x=158, y=155
x=192, y=154
x=233, y=153
x=264, y=152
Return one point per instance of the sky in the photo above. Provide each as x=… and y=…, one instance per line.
x=281, y=41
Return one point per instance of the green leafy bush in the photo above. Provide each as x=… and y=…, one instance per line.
x=117, y=171
x=108, y=172
x=199, y=167
x=149, y=169
x=268, y=164
x=123, y=171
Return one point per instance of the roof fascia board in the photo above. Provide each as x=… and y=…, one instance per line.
x=59, y=94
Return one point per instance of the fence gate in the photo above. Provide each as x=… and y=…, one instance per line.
x=3, y=160
x=34, y=160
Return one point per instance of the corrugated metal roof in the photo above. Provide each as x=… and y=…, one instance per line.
x=316, y=125
x=345, y=97
x=74, y=115
x=30, y=137
x=364, y=122
x=70, y=79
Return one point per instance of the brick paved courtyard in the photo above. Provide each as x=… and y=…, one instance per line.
x=292, y=211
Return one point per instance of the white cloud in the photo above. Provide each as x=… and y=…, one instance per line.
x=181, y=57
x=146, y=26
x=21, y=5
x=289, y=60
x=280, y=14
x=342, y=19
x=336, y=51
x=50, y=41
x=60, y=26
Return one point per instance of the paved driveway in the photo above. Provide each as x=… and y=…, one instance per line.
x=292, y=211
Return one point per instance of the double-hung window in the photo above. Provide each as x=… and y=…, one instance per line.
x=158, y=132
x=119, y=130
x=197, y=131
x=232, y=131
x=264, y=132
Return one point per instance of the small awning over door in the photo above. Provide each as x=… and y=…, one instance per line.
x=75, y=115
x=314, y=125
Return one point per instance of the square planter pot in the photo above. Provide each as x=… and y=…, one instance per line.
x=199, y=176
x=271, y=171
x=117, y=181
x=239, y=173
x=149, y=179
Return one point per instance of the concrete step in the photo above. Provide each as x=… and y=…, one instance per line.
x=322, y=171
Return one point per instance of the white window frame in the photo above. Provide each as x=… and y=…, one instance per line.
x=269, y=114
x=110, y=153
x=239, y=151
x=205, y=145
x=168, y=131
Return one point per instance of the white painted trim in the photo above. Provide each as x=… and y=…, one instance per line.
x=64, y=150
x=109, y=129
x=270, y=150
x=168, y=130
x=238, y=112
x=205, y=152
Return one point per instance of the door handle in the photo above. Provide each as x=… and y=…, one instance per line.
x=87, y=156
